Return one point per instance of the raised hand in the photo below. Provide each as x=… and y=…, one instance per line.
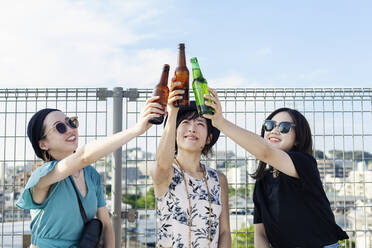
x=174, y=95
x=215, y=103
x=150, y=110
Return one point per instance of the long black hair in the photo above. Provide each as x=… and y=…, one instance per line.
x=303, y=139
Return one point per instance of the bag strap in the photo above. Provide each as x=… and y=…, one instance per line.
x=83, y=215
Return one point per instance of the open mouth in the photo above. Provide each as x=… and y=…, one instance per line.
x=191, y=137
x=71, y=138
x=274, y=139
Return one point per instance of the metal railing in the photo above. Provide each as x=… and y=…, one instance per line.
x=339, y=119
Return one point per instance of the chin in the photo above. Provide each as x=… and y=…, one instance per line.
x=73, y=147
x=276, y=145
x=190, y=149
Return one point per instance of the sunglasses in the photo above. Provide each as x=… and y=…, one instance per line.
x=61, y=127
x=284, y=126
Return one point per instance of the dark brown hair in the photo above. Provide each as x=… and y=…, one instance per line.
x=303, y=139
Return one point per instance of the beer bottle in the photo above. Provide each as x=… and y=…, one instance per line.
x=161, y=89
x=200, y=88
x=181, y=74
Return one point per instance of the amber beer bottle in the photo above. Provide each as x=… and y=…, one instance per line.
x=181, y=75
x=200, y=88
x=161, y=89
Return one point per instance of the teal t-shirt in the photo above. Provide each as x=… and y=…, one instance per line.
x=57, y=222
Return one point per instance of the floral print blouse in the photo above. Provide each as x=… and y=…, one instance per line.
x=173, y=211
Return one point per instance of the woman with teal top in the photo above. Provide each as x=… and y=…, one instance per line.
x=49, y=193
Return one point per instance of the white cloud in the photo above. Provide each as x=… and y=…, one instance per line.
x=54, y=43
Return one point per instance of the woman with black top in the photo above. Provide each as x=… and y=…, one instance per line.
x=291, y=207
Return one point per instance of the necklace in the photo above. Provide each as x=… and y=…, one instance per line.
x=189, y=199
x=275, y=173
x=78, y=176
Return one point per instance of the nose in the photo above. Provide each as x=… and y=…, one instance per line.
x=69, y=130
x=68, y=127
x=192, y=127
x=275, y=129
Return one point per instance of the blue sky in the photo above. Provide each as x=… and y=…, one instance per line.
x=63, y=43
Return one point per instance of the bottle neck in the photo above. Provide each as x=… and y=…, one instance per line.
x=164, y=76
x=181, y=57
x=196, y=73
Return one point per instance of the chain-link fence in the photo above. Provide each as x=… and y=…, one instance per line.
x=339, y=119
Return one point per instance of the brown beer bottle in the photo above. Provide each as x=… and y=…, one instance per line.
x=161, y=90
x=181, y=74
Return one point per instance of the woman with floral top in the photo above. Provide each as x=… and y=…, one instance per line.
x=193, y=209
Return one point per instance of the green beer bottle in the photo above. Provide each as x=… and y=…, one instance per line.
x=200, y=88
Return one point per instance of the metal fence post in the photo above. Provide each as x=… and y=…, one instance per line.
x=117, y=166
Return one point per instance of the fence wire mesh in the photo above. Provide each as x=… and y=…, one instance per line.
x=342, y=135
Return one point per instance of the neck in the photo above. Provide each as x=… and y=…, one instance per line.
x=77, y=174
x=59, y=155
x=190, y=162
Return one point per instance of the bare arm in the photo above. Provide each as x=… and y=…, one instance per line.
x=108, y=231
x=161, y=172
x=224, y=240
x=254, y=144
x=260, y=239
x=93, y=151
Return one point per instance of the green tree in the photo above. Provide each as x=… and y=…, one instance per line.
x=243, y=238
x=130, y=199
x=231, y=191
x=243, y=192
x=147, y=201
x=140, y=201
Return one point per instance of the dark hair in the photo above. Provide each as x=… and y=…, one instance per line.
x=192, y=115
x=303, y=139
x=46, y=156
x=36, y=131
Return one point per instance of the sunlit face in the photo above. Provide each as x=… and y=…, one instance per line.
x=283, y=141
x=192, y=135
x=55, y=142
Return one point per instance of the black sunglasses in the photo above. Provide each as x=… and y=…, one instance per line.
x=284, y=126
x=61, y=127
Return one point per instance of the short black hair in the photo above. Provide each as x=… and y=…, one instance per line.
x=190, y=112
x=192, y=115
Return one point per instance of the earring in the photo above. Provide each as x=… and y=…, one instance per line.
x=46, y=156
x=50, y=157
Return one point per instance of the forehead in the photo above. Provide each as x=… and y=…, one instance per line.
x=190, y=115
x=282, y=116
x=53, y=117
x=197, y=118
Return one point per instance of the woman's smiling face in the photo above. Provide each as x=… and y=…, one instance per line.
x=283, y=141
